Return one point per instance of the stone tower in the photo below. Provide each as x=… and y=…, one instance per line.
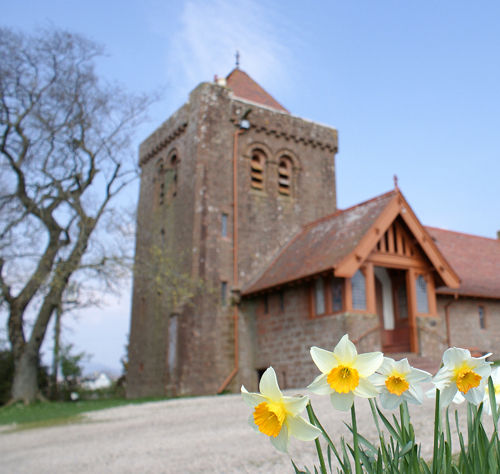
x=230, y=156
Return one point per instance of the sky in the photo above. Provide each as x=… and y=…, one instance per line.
x=412, y=88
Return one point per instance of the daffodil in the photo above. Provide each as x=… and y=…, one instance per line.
x=344, y=373
x=495, y=377
x=398, y=381
x=277, y=416
x=462, y=373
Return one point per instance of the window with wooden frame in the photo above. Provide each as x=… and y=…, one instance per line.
x=326, y=296
x=319, y=297
x=422, y=295
x=337, y=294
x=285, y=176
x=257, y=168
x=358, y=285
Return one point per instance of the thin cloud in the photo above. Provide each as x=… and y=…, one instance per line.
x=208, y=37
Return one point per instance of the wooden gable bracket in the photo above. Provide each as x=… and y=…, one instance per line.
x=397, y=207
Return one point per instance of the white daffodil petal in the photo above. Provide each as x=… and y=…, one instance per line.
x=252, y=399
x=417, y=375
x=367, y=364
x=495, y=376
x=474, y=395
x=320, y=385
x=483, y=369
x=324, y=360
x=281, y=441
x=403, y=367
x=414, y=394
x=301, y=429
x=295, y=405
x=378, y=380
x=389, y=400
x=443, y=378
x=345, y=351
x=342, y=401
x=269, y=386
x=447, y=395
x=387, y=366
x=454, y=356
x=251, y=422
x=365, y=389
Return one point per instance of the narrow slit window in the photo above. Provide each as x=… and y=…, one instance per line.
x=223, y=293
x=285, y=175
x=172, y=342
x=319, y=296
x=482, y=321
x=224, y=225
x=422, y=300
x=358, y=290
x=257, y=170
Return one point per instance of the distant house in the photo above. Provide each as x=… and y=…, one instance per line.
x=100, y=381
x=244, y=193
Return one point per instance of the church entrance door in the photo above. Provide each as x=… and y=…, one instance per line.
x=391, y=298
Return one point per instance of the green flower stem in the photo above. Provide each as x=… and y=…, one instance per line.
x=312, y=419
x=437, y=417
x=357, y=463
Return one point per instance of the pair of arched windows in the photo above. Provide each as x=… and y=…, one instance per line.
x=258, y=170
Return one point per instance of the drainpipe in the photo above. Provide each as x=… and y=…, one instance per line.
x=447, y=313
x=244, y=125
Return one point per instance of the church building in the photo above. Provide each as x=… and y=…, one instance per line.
x=239, y=194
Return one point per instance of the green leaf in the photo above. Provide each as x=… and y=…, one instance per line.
x=296, y=469
x=407, y=448
x=390, y=428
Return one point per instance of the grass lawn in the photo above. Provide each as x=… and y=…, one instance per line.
x=54, y=413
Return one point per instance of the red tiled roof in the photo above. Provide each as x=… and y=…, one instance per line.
x=476, y=260
x=245, y=87
x=321, y=245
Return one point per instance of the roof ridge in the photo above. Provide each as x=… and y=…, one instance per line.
x=462, y=233
x=341, y=211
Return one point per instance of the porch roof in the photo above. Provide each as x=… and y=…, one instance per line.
x=321, y=245
x=475, y=259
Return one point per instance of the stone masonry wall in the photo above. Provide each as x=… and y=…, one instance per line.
x=284, y=337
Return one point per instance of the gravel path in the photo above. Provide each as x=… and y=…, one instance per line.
x=190, y=435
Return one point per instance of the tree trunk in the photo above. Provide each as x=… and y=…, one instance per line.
x=25, y=384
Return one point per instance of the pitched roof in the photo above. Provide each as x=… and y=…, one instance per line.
x=245, y=87
x=321, y=245
x=475, y=259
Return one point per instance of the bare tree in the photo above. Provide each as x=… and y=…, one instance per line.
x=64, y=157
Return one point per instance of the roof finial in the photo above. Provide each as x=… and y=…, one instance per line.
x=396, y=182
x=237, y=59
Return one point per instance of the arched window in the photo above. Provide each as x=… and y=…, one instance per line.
x=172, y=176
x=285, y=175
x=257, y=169
x=358, y=290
